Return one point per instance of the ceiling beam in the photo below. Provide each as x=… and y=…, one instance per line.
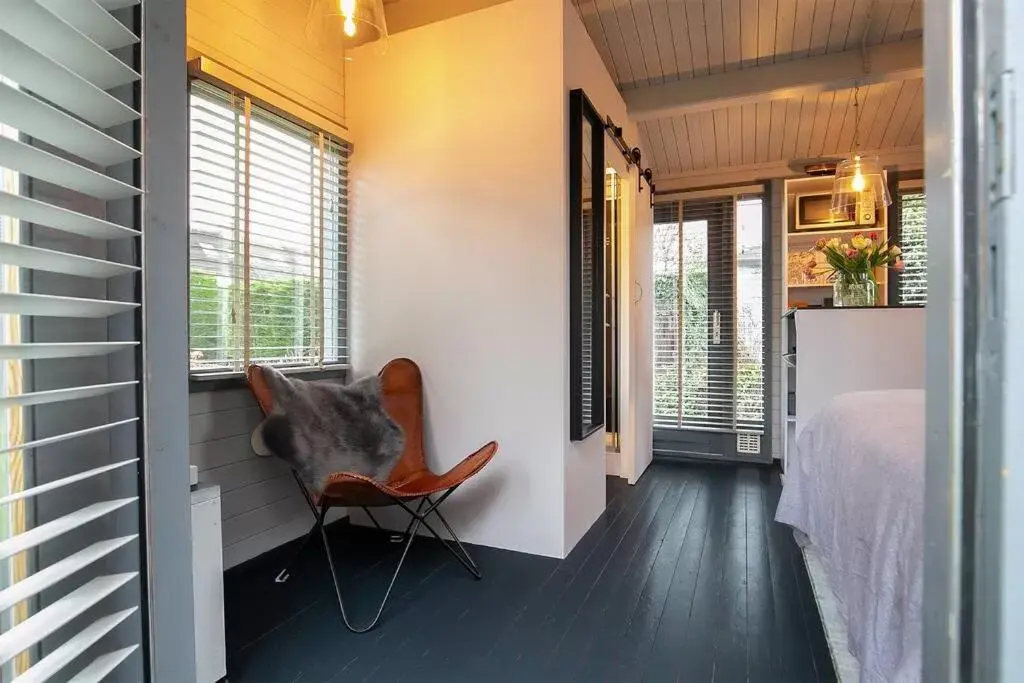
x=786, y=80
x=902, y=158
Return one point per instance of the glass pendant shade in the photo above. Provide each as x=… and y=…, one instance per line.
x=859, y=180
x=348, y=22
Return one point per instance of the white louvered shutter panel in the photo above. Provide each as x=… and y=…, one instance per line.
x=709, y=331
x=913, y=281
x=70, y=399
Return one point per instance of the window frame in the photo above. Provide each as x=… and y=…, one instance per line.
x=232, y=379
x=900, y=184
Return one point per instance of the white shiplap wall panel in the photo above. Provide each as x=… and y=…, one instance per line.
x=747, y=27
x=698, y=38
x=721, y=118
x=784, y=26
x=821, y=26
x=767, y=30
x=261, y=506
x=762, y=134
x=777, y=129
x=802, y=23
x=644, y=69
x=661, y=19
x=683, y=138
x=791, y=131
x=841, y=24
x=735, y=113
x=714, y=35
x=731, y=38
x=842, y=107
x=748, y=113
x=680, y=38
x=710, y=146
x=860, y=13
x=650, y=47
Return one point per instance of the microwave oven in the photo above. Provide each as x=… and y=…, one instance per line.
x=814, y=212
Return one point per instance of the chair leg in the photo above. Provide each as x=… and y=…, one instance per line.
x=472, y=567
x=372, y=518
x=337, y=584
x=461, y=554
x=285, y=573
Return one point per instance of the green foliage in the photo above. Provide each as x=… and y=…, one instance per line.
x=282, y=319
x=204, y=317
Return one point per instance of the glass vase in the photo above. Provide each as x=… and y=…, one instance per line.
x=847, y=291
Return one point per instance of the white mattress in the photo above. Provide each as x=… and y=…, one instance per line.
x=855, y=490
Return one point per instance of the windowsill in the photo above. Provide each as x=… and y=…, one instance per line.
x=225, y=381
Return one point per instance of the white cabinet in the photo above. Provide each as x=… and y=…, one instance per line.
x=208, y=585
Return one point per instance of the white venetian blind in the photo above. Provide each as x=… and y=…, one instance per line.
x=913, y=281
x=268, y=238
x=708, y=311
x=69, y=396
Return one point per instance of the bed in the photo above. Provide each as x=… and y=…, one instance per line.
x=854, y=495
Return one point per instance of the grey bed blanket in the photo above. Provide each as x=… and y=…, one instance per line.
x=320, y=428
x=855, y=489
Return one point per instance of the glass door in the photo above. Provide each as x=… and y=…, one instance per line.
x=710, y=338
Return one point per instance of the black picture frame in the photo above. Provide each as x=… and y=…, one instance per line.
x=586, y=267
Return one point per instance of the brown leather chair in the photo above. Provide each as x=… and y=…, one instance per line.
x=411, y=483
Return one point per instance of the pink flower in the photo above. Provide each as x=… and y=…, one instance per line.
x=898, y=266
x=850, y=253
x=873, y=236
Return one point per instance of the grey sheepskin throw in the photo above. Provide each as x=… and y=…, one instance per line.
x=320, y=428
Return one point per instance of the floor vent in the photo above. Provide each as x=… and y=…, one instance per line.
x=748, y=444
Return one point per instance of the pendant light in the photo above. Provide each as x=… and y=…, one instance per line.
x=351, y=22
x=859, y=179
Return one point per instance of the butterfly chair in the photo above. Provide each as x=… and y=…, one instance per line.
x=411, y=486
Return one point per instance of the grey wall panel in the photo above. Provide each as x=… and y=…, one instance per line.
x=260, y=504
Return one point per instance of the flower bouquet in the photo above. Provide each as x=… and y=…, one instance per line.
x=852, y=266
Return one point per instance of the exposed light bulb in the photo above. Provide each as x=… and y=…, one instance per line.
x=350, y=27
x=348, y=8
x=858, y=183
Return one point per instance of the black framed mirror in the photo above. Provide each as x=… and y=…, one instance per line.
x=586, y=267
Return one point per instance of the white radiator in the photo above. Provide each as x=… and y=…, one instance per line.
x=208, y=585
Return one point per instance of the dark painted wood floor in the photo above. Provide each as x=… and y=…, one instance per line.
x=684, y=578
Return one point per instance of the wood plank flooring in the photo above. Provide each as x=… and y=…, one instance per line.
x=685, y=577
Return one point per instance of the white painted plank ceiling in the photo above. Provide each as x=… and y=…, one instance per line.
x=649, y=42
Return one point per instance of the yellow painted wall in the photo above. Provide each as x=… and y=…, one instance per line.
x=269, y=41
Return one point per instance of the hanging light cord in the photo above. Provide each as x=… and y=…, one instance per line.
x=856, y=119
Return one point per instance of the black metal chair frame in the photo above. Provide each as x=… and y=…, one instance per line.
x=418, y=519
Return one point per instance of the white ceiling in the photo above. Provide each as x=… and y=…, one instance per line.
x=791, y=106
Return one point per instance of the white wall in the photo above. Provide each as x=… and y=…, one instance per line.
x=585, y=69
x=459, y=254
x=584, y=474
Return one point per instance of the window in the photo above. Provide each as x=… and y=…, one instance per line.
x=267, y=239
x=912, y=284
x=709, y=336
